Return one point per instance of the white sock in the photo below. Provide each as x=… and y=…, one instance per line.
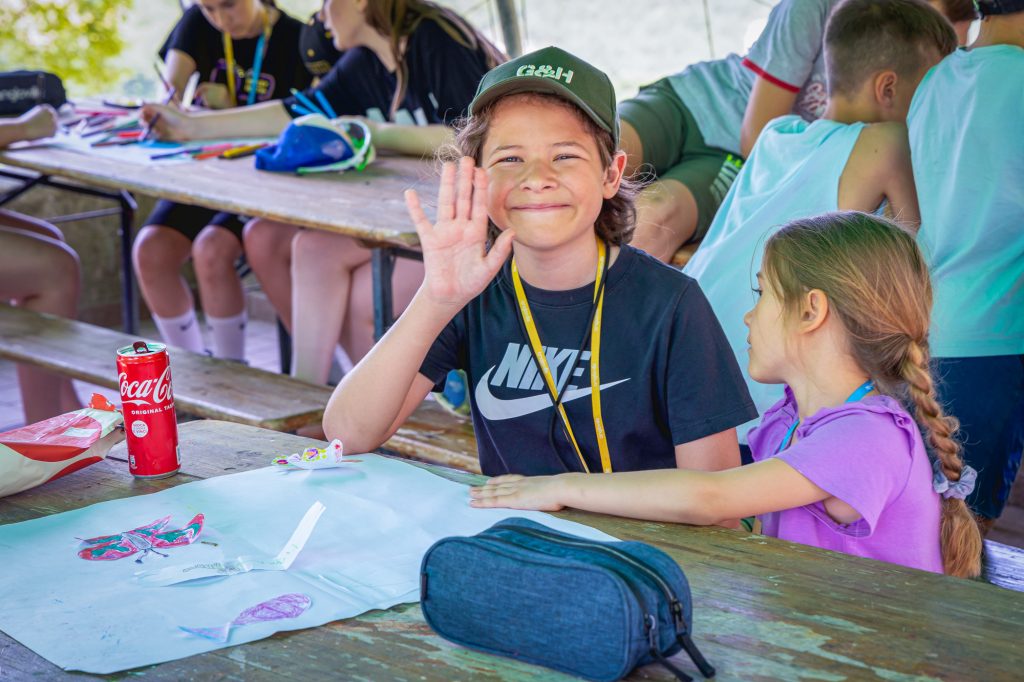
x=228, y=336
x=181, y=332
x=343, y=360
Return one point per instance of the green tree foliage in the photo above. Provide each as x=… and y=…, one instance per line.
x=79, y=40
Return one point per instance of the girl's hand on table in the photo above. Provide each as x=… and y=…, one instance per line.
x=456, y=261
x=540, y=493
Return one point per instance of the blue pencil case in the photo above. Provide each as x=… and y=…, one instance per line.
x=592, y=609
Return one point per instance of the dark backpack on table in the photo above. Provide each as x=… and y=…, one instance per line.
x=22, y=90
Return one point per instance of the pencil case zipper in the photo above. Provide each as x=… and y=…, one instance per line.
x=650, y=620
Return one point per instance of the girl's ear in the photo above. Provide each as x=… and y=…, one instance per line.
x=814, y=309
x=613, y=175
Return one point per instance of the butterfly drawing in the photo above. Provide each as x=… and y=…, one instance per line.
x=143, y=539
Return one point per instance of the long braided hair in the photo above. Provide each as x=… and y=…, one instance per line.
x=877, y=283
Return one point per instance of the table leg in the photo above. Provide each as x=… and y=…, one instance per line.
x=383, y=260
x=129, y=301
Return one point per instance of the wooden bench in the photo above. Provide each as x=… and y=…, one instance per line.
x=218, y=389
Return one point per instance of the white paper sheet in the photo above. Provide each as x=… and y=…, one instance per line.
x=365, y=552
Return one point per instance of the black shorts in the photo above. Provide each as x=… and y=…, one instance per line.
x=190, y=220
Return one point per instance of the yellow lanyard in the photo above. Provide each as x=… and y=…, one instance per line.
x=229, y=58
x=595, y=359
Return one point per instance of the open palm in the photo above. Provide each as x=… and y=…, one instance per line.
x=457, y=264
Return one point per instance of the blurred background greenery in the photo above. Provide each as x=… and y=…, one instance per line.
x=108, y=46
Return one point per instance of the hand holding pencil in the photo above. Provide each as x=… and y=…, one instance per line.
x=167, y=122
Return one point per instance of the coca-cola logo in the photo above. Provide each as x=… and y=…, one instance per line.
x=139, y=392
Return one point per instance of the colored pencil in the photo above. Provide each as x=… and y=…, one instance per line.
x=242, y=151
x=178, y=152
x=114, y=142
x=160, y=75
x=328, y=109
x=300, y=110
x=307, y=102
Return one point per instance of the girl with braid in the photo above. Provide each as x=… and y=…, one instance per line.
x=842, y=321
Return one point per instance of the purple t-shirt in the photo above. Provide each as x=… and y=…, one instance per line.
x=870, y=455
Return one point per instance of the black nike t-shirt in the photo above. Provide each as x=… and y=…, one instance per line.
x=442, y=79
x=282, y=68
x=668, y=375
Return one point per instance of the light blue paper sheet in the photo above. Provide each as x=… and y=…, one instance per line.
x=381, y=516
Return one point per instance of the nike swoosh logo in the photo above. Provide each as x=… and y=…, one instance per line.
x=496, y=409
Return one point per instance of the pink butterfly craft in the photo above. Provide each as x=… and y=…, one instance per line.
x=143, y=539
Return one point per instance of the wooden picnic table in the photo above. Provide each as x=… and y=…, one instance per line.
x=764, y=609
x=367, y=205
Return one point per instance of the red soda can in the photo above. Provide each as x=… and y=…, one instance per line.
x=144, y=376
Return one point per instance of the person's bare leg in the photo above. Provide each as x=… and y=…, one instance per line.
x=268, y=248
x=214, y=253
x=666, y=218
x=322, y=266
x=357, y=332
x=159, y=252
x=41, y=274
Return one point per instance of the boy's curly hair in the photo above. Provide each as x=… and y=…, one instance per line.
x=617, y=219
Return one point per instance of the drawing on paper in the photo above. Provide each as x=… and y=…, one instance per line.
x=143, y=539
x=279, y=608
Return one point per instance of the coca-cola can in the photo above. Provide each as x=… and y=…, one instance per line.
x=144, y=376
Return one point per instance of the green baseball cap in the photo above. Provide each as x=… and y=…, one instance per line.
x=554, y=71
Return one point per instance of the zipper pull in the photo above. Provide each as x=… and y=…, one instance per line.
x=706, y=669
x=651, y=628
x=677, y=616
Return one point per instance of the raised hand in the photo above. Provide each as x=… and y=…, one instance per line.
x=457, y=265
x=167, y=122
x=39, y=121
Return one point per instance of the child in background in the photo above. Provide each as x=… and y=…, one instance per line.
x=410, y=68
x=260, y=37
x=841, y=321
x=39, y=272
x=855, y=157
x=692, y=129
x=967, y=140
x=615, y=384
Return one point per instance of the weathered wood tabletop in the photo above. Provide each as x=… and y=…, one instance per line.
x=764, y=609
x=368, y=204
